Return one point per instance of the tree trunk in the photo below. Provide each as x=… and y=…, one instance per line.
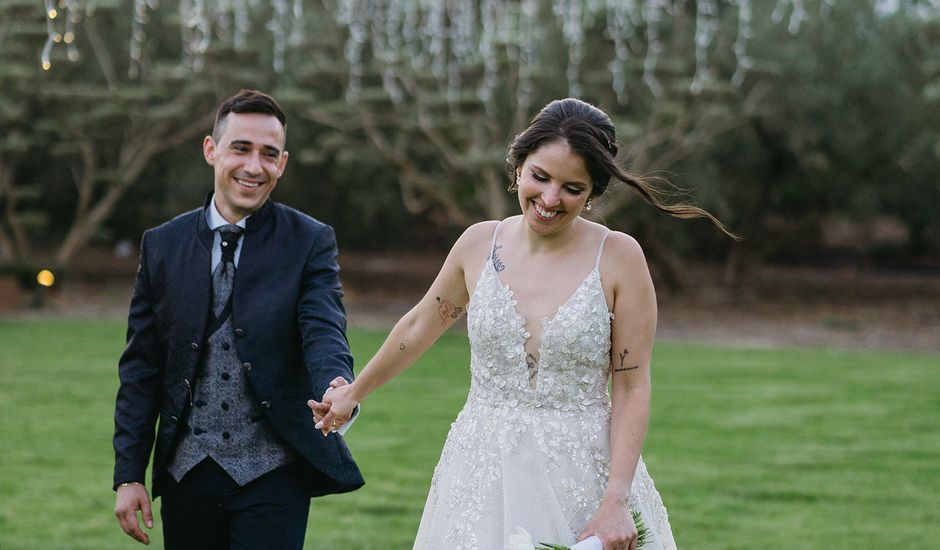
x=15, y=247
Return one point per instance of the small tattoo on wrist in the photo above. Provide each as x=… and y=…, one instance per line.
x=621, y=369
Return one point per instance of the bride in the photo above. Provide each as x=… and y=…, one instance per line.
x=559, y=309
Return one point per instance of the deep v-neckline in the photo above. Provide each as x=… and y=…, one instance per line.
x=544, y=321
x=489, y=269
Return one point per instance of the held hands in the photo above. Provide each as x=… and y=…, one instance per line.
x=131, y=498
x=336, y=408
x=613, y=524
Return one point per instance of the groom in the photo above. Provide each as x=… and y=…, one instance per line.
x=235, y=323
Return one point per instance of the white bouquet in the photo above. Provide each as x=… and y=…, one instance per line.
x=521, y=540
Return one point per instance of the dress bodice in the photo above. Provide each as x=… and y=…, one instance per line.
x=574, y=353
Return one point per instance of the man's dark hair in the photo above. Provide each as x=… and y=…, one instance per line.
x=247, y=101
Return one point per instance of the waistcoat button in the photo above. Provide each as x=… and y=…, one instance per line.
x=194, y=346
x=247, y=366
x=239, y=332
x=266, y=404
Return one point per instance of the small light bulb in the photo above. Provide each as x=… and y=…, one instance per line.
x=53, y=13
x=69, y=37
x=45, y=278
x=46, y=65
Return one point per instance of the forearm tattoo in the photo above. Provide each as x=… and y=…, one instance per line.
x=447, y=310
x=623, y=356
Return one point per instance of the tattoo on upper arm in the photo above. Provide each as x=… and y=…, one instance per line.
x=498, y=264
x=401, y=346
x=621, y=368
x=447, y=310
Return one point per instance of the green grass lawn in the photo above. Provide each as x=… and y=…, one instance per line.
x=782, y=448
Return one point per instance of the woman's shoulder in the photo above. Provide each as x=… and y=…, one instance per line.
x=623, y=255
x=623, y=245
x=474, y=241
x=482, y=233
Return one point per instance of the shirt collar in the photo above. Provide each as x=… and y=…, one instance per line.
x=215, y=219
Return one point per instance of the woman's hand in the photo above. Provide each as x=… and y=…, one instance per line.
x=336, y=408
x=613, y=524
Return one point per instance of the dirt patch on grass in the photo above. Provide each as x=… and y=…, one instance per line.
x=774, y=306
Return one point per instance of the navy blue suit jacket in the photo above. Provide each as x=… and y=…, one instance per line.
x=290, y=329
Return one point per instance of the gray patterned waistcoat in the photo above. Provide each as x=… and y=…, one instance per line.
x=225, y=422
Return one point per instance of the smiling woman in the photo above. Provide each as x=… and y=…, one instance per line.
x=559, y=309
x=554, y=187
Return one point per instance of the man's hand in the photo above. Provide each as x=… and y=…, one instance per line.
x=320, y=409
x=336, y=409
x=130, y=499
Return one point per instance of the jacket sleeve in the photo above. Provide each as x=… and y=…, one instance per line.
x=140, y=370
x=322, y=317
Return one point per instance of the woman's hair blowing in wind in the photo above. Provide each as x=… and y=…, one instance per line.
x=590, y=133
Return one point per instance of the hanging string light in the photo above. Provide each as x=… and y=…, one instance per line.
x=446, y=37
x=706, y=22
x=740, y=44
x=653, y=14
x=52, y=35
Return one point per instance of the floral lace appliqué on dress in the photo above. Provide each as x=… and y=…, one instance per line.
x=526, y=456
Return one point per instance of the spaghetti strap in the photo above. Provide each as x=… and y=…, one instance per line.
x=597, y=262
x=495, y=231
x=487, y=262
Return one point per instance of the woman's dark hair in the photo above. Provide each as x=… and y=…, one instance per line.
x=589, y=133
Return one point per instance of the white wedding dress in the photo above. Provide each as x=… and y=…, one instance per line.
x=536, y=458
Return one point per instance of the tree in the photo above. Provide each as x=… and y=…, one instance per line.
x=745, y=104
x=104, y=115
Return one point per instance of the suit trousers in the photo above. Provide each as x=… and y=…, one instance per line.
x=208, y=510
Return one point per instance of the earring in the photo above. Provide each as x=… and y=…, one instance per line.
x=588, y=206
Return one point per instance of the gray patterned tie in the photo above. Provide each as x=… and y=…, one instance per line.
x=224, y=273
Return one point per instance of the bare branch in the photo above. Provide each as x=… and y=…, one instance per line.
x=102, y=55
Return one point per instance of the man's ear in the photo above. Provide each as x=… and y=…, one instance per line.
x=208, y=150
x=282, y=164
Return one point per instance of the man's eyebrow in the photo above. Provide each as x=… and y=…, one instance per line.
x=269, y=148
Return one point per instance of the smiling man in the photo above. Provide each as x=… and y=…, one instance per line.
x=235, y=323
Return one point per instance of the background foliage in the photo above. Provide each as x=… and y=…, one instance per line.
x=827, y=150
